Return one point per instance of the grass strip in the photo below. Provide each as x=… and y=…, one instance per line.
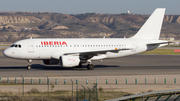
x=162, y=52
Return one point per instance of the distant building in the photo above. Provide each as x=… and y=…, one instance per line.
x=127, y=12
x=174, y=42
x=167, y=39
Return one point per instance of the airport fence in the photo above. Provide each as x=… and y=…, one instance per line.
x=68, y=88
x=86, y=81
x=31, y=89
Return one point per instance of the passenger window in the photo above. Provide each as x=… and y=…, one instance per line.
x=15, y=45
x=19, y=46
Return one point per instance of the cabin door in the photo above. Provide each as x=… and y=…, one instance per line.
x=30, y=47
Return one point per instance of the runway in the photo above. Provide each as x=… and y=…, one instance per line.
x=131, y=65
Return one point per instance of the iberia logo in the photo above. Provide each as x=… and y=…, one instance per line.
x=53, y=43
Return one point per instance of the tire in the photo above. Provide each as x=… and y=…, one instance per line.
x=28, y=67
x=90, y=66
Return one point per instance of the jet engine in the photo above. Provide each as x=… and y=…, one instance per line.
x=69, y=61
x=51, y=62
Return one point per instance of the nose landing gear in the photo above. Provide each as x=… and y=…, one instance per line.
x=29, y=64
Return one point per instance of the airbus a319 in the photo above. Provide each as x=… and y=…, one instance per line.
x=73, y=52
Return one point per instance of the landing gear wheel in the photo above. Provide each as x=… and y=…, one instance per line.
x=90, y=66
x=29, y=64
x=28, y=67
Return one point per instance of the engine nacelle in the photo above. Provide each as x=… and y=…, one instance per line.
x=51, y=62
x=69, y=61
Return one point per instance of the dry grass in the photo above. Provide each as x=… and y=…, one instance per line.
x=35, y=95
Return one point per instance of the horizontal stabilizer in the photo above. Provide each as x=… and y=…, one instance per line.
x=158, y=43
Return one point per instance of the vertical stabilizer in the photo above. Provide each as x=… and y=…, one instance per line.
x=152, y=27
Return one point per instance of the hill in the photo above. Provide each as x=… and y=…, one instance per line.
x=18, y=26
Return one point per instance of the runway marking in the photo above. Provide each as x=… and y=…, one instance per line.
x=51, y=74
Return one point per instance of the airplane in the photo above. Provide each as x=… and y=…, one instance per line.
x=73, y=52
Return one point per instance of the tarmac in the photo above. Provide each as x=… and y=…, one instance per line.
x=131, y=65
x=140, y=67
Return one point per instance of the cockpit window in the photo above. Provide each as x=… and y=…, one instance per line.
x=16, y=45
x=12, y=45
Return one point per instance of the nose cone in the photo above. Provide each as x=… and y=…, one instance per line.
x=6, y=53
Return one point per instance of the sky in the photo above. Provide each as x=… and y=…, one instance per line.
x=91, y=6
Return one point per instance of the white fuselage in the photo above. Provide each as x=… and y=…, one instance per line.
x=53, y=48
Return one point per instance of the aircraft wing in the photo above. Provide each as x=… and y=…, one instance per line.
x=90, y=54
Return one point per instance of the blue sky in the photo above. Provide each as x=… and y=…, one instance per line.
x=90, y=6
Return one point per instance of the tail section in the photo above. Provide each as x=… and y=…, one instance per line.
x=152, y=27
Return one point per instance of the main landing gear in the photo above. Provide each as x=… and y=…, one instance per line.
x=90, y=66
x=29, y=64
